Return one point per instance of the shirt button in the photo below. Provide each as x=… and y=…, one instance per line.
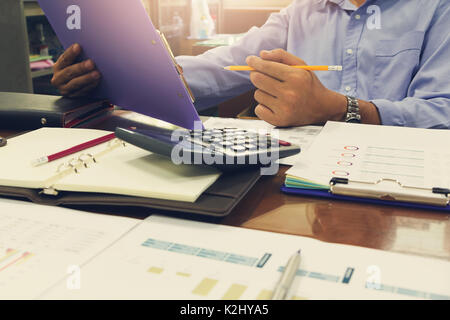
x=357, y=17
x=348, y=88
x=349, y=51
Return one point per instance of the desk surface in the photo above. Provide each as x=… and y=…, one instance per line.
x=419, y=232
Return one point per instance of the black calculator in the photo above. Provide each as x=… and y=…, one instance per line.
x=225, y=148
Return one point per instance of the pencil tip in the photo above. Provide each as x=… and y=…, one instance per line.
x=39, y=161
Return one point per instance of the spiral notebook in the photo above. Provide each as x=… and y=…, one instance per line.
x=110, y=168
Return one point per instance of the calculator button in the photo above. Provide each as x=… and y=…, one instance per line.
x=239, y=148
x=196, y=134
x=213, y=147
x=229, y=135
x=251, y=147
x=262, y=146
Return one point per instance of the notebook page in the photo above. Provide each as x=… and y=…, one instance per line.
x=16, y=157
x=133, y=171
x=414, y=157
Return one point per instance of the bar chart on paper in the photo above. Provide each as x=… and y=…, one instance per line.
x=175, y=259
x=38, y=244
x=167, y=258
x=205, y=253
x=12, y=258
x=202, y=287
x=179, y=270
x=205, y=286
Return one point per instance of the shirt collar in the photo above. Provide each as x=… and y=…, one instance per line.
x=344, y=4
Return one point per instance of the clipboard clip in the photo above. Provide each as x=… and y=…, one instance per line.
x=390, y=190
x=175, y=63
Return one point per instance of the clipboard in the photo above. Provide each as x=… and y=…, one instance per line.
x=382, y=192
x=139, y=72
x=176, y=65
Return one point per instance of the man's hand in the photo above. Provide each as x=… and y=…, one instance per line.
x=292, y=97
x=74, y=79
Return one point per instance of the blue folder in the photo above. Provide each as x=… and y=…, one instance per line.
x=328, y=195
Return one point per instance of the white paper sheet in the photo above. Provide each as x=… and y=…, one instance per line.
x=167, y=258
x=414, y=157
x=302, y=136
x=41, y=245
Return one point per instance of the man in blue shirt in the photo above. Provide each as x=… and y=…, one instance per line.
x=394, y=55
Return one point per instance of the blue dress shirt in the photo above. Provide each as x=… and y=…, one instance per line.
x=394, y=53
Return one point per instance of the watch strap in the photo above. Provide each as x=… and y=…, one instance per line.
x=353, y=113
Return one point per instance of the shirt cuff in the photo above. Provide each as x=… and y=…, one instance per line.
x=390, y=113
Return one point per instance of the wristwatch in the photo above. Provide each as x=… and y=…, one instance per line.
x=353, y=115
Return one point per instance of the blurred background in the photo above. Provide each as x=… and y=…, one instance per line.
x=29, y=47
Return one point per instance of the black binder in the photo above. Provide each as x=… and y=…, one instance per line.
x=217, y=201
x=25, y=111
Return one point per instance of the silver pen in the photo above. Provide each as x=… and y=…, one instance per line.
x=287, y=278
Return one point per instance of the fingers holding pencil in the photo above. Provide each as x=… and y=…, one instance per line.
x=287, y=95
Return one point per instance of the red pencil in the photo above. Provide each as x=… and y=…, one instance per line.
x=72, y=150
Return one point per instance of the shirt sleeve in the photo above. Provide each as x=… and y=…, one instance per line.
x=210, y=83
x=427, y=104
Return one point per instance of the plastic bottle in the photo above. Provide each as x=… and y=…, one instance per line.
x=202, y=24
x=43, y=47
x=178, y=24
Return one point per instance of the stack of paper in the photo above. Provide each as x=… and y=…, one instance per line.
x=167, y=258
x=365, y=153
x=55, y=253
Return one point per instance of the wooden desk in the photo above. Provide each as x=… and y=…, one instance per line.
x=419, y=232
x=424, y=233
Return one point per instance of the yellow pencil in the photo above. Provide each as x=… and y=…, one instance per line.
x=311, y=68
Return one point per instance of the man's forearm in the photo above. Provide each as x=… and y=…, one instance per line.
x=369, y=112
